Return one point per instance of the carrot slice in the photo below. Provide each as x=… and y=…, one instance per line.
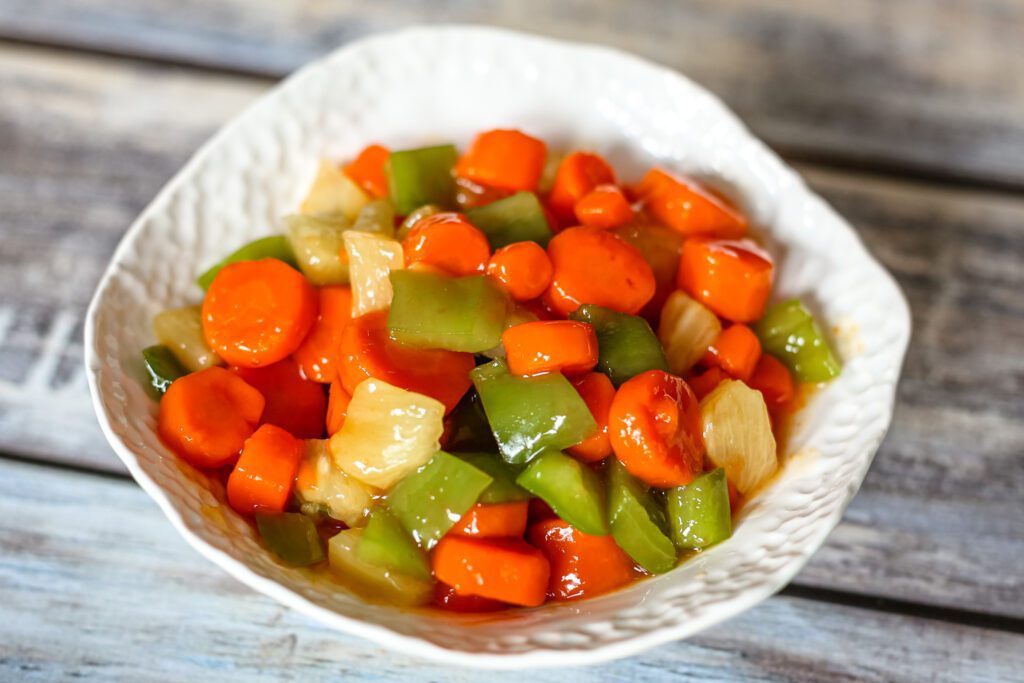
x=577, y=175
x=563, y=346
x=293, y=403
x=736, y=350
x=704, y=383
x=263, y=477
x=258, y=312
x=495, y=520
x=506, y=159
x=318, y=355
x=685, y=206
x=655, y=429
x=206, y=416
x=367, y=170
x=733, y=279
x=447, y=241
x=581, y=565
x=448, y=599
x=523, y=268
x=367, y=351
x=502, y=569
x=597, y=392
x=592, y=266
x=604, y=207
x=773, y=380
x=337, y=406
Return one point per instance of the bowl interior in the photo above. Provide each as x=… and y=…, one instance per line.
x=444, y=84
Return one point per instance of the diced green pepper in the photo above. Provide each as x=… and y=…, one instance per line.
x=292, y=537
x=421, y=176
x=699, y=512
x=503, y=488
x=441, y=312
x=519, y=218
x=789, y=332
x=529, y=414
x=386, y=544
x=661, y=248
x=638, y=521
x=573, y=490
x=378, y=217
x=162, y=366
x=626, y=344
x=372, y=581
x=275, y=246
x=468, y=427
x=431, y=499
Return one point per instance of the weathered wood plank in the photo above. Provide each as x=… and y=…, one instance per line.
x=94, y=584
x=940, y=517
x=935, y=86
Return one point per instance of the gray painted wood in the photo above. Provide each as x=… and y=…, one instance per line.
x=94, y=584
x=939, y=520
x=932, y=85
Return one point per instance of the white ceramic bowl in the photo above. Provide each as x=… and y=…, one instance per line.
x=444, y=84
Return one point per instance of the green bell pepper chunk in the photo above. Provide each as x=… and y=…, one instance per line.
x=421, y=176
x=626, y=344
x=503, y=488
x=431, y=499
x=699, y=512
x=468, y=427
x=292, y=536
x=529, y=414
x=638, y=521
x=386, y=544
x=162, y=366
x=789, y=332
x=377, y=217
x=519, y=218
x=440, y=312
x=573, y=490
x=275, y=246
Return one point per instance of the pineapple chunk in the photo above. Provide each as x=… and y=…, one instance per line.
x=372, y=581
x=322, y=482
x=686, y=330
x=388, y=433
x=317, y=243
x=371, y=258
x=738, y=434
x=181, y=330
x=333, y=193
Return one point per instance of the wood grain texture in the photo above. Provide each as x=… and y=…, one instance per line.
x=94, y=584
x=940, y=518
x=933, y=85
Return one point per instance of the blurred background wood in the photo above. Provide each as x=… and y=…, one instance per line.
x=907, y=115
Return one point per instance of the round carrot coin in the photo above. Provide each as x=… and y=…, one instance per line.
x=541, y=346
x=597, y=392
x=294, y=403
x=582, y=565
x=732, y=278
x=449, y=242
x=318, y=355
x=577, y=175
x=604, y=207
x=523, y=268
x=265, y=473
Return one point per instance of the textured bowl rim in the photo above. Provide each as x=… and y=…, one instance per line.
x=383, y=635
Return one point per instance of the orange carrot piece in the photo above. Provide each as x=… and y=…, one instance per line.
x=592, y=266
x=367, y=351
x=502, y=569
x=736, y=351
x=494, y=520
x=604, y=207
x=598, y=392
x=523, y=268
x=294, y=403
x=258, y=312
x=577, y=175
x=506, y=159
x=263, y=477
x=582, y=565
x=733, y=279
x=337, y=407
x=449, y=242
x=318, y=355
x=773, y=380
x=448, y=599
x=367, y=170
x=704, y=383
x=542, y=346
x=655, y=429
x=685, y=206
x=206, y=416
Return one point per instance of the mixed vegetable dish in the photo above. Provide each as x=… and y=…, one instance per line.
x=488, y=380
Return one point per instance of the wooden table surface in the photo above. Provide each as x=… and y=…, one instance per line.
x=907, y=115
